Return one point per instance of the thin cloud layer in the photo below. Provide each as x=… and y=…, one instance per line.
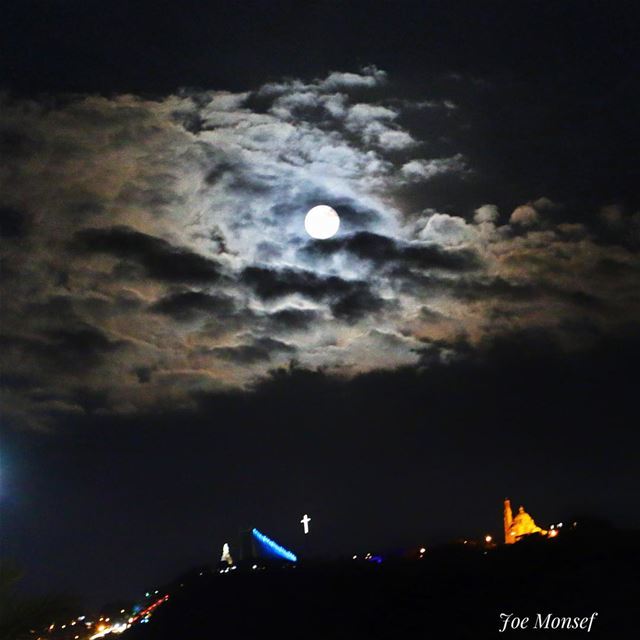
x=154, y=250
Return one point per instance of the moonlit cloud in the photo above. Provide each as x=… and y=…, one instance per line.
x=421, y=169
x=155, y=250
x=524, y=215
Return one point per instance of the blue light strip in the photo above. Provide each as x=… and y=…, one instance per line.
x=274, y=546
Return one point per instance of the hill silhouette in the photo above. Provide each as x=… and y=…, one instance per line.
x=457, y=591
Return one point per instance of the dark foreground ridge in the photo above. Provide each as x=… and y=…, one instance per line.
x=456, y=592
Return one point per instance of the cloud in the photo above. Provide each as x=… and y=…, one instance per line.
x=361, y=115
x=159, y=258
x=421, y=169
x=384, y=251
x=258, y=350
x=525, y=216
x=189, y=304
x=545, y=204
x=293, y=319
x=612, y=215
x=374, y=124
x=154, y=249
x=447, y=230
x=528, y=215
x=357, y=304
x=370, y=77
x=394, y=140
x=272, y=284
x=81, y=346
x=486, y=213
x=13, y=222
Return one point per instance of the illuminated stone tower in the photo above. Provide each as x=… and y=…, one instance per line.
x=508, y=520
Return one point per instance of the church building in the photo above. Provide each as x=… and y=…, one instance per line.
x=518, y=526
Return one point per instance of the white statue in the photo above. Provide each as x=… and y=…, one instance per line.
x=226, y=554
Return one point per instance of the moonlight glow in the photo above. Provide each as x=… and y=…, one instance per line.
x=322, y=222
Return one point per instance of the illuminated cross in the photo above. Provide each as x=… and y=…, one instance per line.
x=305, y=523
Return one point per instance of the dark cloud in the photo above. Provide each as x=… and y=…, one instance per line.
x=482, y=288
x=220, y=242
x=474, y=289
x=121, y=302
x=14, y=223
x=188, y=304
x=15, y=143
x=349, y=300
x=143, y=374
x=612, y=268
x=259, y=350
x=65, y=349
x=580, y=299
x=357, y=304
x=81, y=341
x=276, y=283
x=430, y=315
x=293, y=319
x=66, y=308
x=160, y=259
x=382, y=250
x=354, y=215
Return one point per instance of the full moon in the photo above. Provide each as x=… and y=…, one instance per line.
x=322, y=222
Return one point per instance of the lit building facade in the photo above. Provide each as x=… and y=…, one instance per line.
x=518, y=526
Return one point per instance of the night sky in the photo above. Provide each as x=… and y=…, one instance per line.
x=180, y=359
